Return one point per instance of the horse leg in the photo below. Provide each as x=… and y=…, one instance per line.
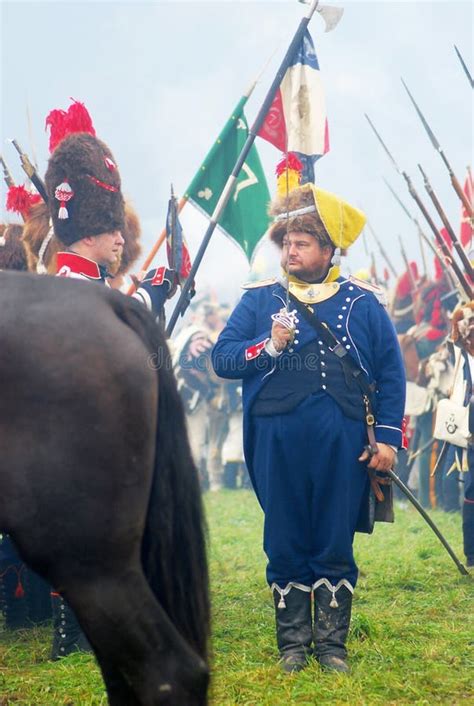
x=119, y=692
x=136, y=644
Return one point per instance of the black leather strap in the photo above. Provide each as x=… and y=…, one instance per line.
x=334, y=345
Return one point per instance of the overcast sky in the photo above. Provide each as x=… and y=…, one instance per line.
x=161, y=78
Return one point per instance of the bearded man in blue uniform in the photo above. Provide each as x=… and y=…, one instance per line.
x=310, y=435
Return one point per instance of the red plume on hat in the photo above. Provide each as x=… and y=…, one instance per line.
x=20, y=200
x=288, y=172
x=62, y=123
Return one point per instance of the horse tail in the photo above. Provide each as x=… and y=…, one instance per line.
x=174, y=543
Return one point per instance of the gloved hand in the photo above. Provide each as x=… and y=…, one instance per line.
x=158, y=285
x=161, y=277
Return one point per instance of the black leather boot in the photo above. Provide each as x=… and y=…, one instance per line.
x=293, y=625
x=332, y=616
x=67, y=634
x=38, y=598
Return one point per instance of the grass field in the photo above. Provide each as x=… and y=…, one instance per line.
x=411, y=640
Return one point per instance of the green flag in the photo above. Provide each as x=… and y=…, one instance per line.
x=245, y=217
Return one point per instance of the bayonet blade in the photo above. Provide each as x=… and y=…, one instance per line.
x=466, y=70
x=429, y=131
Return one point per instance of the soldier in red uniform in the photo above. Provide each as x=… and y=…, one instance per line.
x=87, y=211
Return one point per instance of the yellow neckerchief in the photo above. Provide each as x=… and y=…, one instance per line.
x=313, y=293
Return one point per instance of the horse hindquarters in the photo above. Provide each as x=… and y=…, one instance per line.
x=78, y=414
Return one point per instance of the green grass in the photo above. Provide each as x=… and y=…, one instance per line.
x=411, y=639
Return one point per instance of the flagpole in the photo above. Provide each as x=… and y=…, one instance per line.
x=182, y=303
x=151, y=256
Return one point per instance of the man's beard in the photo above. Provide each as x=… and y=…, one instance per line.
x=309, y=276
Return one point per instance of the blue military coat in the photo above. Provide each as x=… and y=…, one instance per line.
x=355, y=316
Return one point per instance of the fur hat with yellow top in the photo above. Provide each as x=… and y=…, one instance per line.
x=309, y=209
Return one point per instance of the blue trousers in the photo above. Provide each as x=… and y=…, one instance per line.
x=310, y=485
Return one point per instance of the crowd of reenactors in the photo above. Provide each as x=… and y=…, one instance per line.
x=435, y=332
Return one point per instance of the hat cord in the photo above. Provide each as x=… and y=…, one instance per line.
x=336, y=258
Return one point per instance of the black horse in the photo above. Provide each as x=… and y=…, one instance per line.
x=97, y=485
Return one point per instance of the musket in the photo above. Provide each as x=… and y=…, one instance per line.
x=438, y=148
x=422, y=235
x=427, y=518
x=466, y=70
x=373, y=269
x=453, y=237
x=413, y=456
x=364, y=240
x=232, y=180
x=422, y=253
x=439, y=238
x=382, y=251
x=31, y=172
x=6, y=173
x=414, y=287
